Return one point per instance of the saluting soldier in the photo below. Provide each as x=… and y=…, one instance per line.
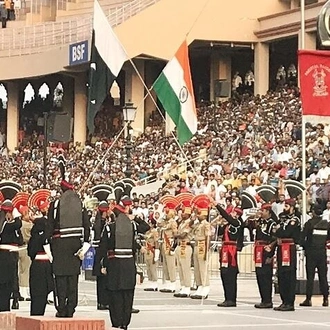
x=288, y=235
x=41, y=278
x=102, y=217
x=151, y=254
x=70, y=228
x=183, y=251
x=168, y=230
x=201, y=235
x=232, y=241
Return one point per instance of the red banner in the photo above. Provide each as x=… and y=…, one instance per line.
x=314, y=74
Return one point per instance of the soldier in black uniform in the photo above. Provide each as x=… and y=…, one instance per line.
x=10, y=224
x=70, y=228
x=288, y=235
x=315, y=235
x=232, y=241
x=41, y=279
x=118, y=245
x=101, y=192
x=264, y=249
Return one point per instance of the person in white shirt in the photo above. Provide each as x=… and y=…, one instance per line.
x=324, y=172
x=326, y=212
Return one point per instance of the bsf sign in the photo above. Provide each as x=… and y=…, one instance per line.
x=79, y=53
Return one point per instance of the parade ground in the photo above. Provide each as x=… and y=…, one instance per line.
x=161, y=311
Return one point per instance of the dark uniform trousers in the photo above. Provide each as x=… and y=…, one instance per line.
x=316, y=259
x=6, y=290
x=229, y=281
x=102, y=297
x=38, y=305
x=67, y=294
x=265, y=282
x=287, y=278
x=15, y=291
x=120, y=305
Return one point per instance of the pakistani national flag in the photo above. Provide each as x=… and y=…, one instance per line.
x=107, y=59
x=175, y=91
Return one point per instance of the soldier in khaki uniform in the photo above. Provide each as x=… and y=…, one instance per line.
x=151, y=252
x=201, y=233
x=168, y=230
x=24, y=261
x=183, y=251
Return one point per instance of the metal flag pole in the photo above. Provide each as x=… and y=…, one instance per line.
x=303, y=123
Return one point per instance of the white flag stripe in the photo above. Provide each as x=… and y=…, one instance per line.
x=106, y=42
x=175, y=76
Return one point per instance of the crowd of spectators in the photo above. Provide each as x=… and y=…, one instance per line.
x=240, y=144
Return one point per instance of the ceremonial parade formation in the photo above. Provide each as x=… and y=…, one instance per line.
x=62, y=230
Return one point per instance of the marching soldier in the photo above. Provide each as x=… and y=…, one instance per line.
x=101, y=192
x=70, y=229
x=151, y=252
x=315, y=235
x=201, y=234
x=10, y=224
x=20, y=202
x=183, y=251
x=118, y=245
x=264, y=249
x=168, y=230
x=288, y=235
x=232, y=241
x=41, y=278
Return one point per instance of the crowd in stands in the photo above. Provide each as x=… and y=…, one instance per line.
x=240, y=144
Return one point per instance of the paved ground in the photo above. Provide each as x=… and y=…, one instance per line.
x=160, y=311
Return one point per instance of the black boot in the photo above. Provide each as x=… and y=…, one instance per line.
x=15, y=304
x=325, y=301
x=306, y=303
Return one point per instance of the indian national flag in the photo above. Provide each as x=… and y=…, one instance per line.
x=107, y=59
x=175, y=91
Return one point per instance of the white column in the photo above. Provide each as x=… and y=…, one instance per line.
x=80, y=109
x=138, y=98
x=261, y=68
x=12, y=115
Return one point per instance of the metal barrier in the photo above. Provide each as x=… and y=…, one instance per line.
x=49, y=35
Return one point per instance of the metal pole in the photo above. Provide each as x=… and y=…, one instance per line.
x=128, y=152
x=303, y=123
x=45, y=148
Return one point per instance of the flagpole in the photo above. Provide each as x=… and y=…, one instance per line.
x=303, y=122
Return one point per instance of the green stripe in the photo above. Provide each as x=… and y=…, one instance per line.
x=172, y=106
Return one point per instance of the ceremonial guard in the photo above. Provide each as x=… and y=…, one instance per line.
x=288, y=235
x=231, y=231
x=201, y=235
x=151, y=252
x=264, y=247
x=20, y=202
x=102, y=217
x=41, y=278
x=168, y=230
x=183, y=251
x=315, y=235
x=70, y=229
x=118, y=245
x=10, y=224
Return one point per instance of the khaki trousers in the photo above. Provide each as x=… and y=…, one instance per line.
x=151, y=267
x=201, y=273
x=168, y=266
x=24, y=263
x=183, y=260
